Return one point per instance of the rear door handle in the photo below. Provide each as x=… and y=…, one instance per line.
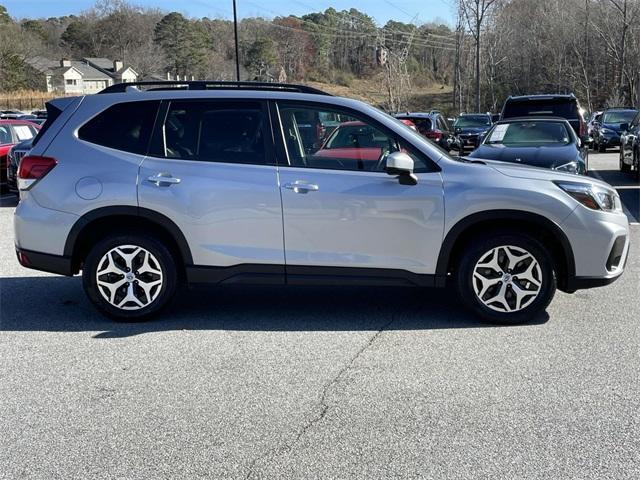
x=163, y=179
x=300, y=186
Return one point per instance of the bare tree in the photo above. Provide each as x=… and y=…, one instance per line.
x=475, y=12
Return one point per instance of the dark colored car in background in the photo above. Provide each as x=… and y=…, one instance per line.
x=613, y=122
x=630, y=147
x=435, y=126
x=540, y=142
x=12, y=132
x=10, y=114
x=13, y=160
x=593, y=121
x=560, y=105
x=471, y=127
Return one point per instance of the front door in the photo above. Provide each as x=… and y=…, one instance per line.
x=341, y=209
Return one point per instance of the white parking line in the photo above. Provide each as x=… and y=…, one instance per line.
x=624, y=208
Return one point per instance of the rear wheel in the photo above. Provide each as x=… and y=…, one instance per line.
x=129, y=277
x=506, y=278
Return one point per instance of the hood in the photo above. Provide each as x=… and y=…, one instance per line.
x=545, y=157
x=526, y=171
x=612, y=126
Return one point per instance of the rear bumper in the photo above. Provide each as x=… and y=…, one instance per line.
x=44, y=262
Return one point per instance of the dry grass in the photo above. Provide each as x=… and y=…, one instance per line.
x=25, y=99
x=372, y=90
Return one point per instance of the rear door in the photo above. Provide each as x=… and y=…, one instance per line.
x=211, y=170
x=342, y=211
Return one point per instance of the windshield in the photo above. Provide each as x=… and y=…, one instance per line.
x=619, y=117
x=529, y=133
x=472, y=121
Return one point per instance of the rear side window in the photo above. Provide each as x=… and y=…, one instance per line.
x=564, y=108
x=124, y=126
x=215, y=131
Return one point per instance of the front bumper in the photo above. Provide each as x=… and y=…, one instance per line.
x=600, y=244
x=610, y=140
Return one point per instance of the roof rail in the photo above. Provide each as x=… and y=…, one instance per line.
x=212, y=85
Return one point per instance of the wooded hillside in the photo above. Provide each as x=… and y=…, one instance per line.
x=497, y=48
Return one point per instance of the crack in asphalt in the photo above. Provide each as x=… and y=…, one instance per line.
x=324, y=407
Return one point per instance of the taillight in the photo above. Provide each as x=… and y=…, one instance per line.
x=434, y=135
x=33, y=168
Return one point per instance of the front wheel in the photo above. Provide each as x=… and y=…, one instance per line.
x=506, y=278
x=129, y=277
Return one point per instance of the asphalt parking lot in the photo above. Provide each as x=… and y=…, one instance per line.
x=319, y=382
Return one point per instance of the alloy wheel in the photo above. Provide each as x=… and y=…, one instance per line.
x=129, y=277
x=507, y=278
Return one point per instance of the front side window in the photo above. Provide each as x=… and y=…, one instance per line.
x=123, y=126
x=5, y=135
x=353, y=144
x=215, y=132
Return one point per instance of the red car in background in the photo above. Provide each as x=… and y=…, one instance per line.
x=355, y=142
x=12, y=132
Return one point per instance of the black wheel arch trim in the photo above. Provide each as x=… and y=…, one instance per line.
x=459, y=228
x=130, y=211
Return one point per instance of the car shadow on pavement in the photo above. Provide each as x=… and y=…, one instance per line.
x=8, y=200
x=58, y=304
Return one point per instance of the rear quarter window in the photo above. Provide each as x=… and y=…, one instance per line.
x=123, y=126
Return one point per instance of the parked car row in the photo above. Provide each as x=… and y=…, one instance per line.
x=12, y=132
x=547, y=131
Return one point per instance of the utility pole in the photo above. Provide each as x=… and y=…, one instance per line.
x=235, y=34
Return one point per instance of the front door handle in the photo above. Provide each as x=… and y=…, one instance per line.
x=302, y=187
x=163, y=179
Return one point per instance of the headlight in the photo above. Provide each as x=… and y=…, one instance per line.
x=606, y=131
x=571, y=167
x=593, y=196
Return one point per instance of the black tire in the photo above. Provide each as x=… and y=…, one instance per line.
x=163, y=259
x=477, y=249
x=623, y=166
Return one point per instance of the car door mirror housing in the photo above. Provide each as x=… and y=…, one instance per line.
x=401, y=164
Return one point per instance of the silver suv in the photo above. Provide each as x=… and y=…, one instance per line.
x=143, y=187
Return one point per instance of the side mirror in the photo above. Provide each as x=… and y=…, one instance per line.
x=624, y=127
x=401, y=164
